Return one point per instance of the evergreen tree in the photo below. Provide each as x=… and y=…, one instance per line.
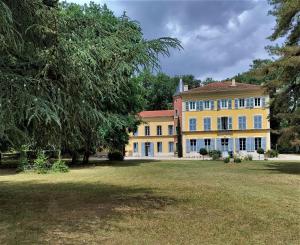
x=283, y=75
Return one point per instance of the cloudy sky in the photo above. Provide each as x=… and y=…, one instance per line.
x=220, y=37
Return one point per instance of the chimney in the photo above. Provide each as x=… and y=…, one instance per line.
x=233, y=82
x=186, y=88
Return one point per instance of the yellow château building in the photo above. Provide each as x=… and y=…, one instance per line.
x=226, y=116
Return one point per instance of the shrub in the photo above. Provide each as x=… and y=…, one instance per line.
x=23, y=164
x=226, y=159
x=215, y=154
x=60, y=166
x=41, y=164
x=260, y=151
x=248, y=158
x=203, y=152
x=237, y=159
x=272, y=153
x=115, y=156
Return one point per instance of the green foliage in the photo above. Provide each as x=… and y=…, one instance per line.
x=237, y=159
x=41, y=164
x=248, y=157
x=66, y=74
x=226, y=160
x=60, y=166
x=272, y=153
x=179, y=138
x=115, y=156
x=215, y=154
x=203, y=152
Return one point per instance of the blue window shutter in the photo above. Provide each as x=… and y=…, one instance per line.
x=198, y=105
x=229, y=122
x=187, y=105
x=248, y=103
x=236, y=103
x=201, y=105
x=190, y=124
x=219, y=123
x=204, y=123
x=209, y=123
x=212, y=144
x=151, y=149
x=263, y=143
x=245, y=123
x=137, y=147
x=198, y=145
x=260, y=122
x=219, y=104
x=230, y=144
x=237, y=144
x=240, y=123
x=251, y=102
x=219, y=147
x=143, y=149
x=229, y=101
x=263, y=102
x=201, y=144
x=212, y=104
x=187, y=149
x=248, y=144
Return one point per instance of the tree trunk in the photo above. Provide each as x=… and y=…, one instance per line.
x=86, y=157
x=74, y=157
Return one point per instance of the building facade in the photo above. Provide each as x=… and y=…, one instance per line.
x=226, y=116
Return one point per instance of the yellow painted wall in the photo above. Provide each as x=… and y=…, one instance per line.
x=164, y=122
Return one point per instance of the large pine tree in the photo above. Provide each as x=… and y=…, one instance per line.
x=283, y=76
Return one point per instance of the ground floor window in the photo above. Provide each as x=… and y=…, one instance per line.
x=171, y=146
x=159, y=146
x=193, y=145
x=135, y=147
x=207, y=143
x=257, y=143
x=242, y=144
x=224, y=144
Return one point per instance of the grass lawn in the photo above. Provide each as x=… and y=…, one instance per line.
x=154, y=202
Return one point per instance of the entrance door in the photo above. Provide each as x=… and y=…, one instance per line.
x=147, y=149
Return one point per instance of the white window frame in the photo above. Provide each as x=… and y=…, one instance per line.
x=192, y=108
x=204, y=105
x=256, y=145
x=242, y=99
x=221, y=104
x=170, y=126
x=243, y=146
x=225, y=147
x=254, y=102
x=135, y=149
x=193, y=148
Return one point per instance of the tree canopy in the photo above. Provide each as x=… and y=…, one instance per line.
x=65, y=73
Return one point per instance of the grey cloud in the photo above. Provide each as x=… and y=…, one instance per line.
x=220, y=38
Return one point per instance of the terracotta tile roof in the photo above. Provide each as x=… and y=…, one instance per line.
x=223, y=86
x=160, y=113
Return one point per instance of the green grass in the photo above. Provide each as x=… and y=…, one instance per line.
x=159, y=202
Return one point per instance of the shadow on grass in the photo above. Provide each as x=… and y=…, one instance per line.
x=286, y=167
x=36, y=212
